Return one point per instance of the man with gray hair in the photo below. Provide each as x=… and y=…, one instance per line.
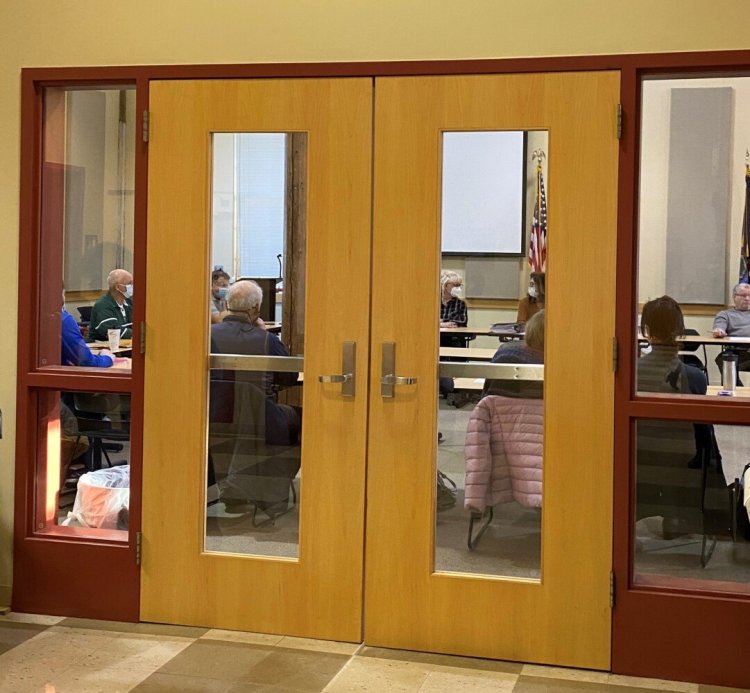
x=243, y=332
x=114, y=310
x=735, y=322
x=246, y=402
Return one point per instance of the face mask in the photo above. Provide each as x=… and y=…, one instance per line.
x=223, y=292
x=128, y=293
x=533, y=292
x=456, y=292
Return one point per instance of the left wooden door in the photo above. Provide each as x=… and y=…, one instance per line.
x=230, y=579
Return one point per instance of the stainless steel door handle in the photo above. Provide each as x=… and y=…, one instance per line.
x=348, y=368
x=345, y=378
x=387, y=377
x=391, y=379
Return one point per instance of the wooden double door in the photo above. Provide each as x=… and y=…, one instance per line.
x=365, y=566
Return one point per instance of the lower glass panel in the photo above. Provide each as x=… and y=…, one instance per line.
x=254, y=460
x=691, y=522
x=489, y=478
x=83, y=468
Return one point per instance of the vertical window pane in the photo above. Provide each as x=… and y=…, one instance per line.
x=87, y=212
x=488, y=483
x=691, y=505
x=692, y=200
x=254, y=456
x=83, y=464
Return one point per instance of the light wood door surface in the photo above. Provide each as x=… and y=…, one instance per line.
x=320, y=593
x=565, y=617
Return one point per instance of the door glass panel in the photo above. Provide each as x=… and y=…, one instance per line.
x=490, y=412
x=87, y=222
x=256, y=315
x=692, y=247
x=83, y=464
x=691, y=521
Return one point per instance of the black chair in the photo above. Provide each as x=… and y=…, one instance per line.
x=688, y=349
x=104, y=418
x=85, y=313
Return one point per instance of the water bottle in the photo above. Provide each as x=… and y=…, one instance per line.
x=729, y=371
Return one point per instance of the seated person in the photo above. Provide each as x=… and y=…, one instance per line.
x=242, y=332
x=735, y=322
x=533, y=302
x=661, y=370
x=666, y=448
x=75, y=352
x=219, y=291
x=246, y=402
x=453, y=311
x=528, y=351
x=114, y=309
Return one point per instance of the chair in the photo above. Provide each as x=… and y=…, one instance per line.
x=85, y=313
x=687, y=352
x=104, y=418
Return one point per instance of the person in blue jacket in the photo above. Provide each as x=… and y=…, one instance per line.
x=75, y=351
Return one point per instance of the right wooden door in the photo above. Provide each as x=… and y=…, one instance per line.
x=559, y=612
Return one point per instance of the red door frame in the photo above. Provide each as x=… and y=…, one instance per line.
x=659, y=632
x=670, y=647
x=57, y=572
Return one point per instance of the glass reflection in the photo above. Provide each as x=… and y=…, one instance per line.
x=490, y=423
x=83, y=469
x=691, y=522
x=691, y=218
x=254, y=454
x=87, y=219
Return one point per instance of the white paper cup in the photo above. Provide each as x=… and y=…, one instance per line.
x=113, y=337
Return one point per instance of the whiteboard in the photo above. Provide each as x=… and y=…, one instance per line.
x=483, y=193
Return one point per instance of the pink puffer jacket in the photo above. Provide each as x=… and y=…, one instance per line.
x=503, y=453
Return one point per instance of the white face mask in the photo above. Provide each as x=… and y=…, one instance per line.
x=456, y=292
x=533, y=292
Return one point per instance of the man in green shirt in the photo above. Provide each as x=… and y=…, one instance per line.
x=114, y=310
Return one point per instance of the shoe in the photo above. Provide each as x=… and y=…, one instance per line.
x=239, y=505
x=219, y=510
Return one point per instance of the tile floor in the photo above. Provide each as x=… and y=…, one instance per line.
x=51, y=654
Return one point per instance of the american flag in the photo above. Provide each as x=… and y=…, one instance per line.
x=538, y=237
x=745, y=240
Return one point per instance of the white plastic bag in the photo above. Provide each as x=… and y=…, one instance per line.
x=102, y=499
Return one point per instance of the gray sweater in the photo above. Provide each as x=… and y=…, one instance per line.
x=736, y=323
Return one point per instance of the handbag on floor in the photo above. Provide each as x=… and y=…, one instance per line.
x=446, y=492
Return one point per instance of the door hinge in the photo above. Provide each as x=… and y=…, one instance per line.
x=615, y=355
x=138, y=547
x=143, y=337
x=146, y=126
x=619, y=121
x=611, y=589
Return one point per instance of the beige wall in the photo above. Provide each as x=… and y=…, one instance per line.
x=37, y=33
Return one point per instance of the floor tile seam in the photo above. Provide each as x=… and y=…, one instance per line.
x=343, y=667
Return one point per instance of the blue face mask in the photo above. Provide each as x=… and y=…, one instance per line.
x=128, y=293
x=223, y=292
